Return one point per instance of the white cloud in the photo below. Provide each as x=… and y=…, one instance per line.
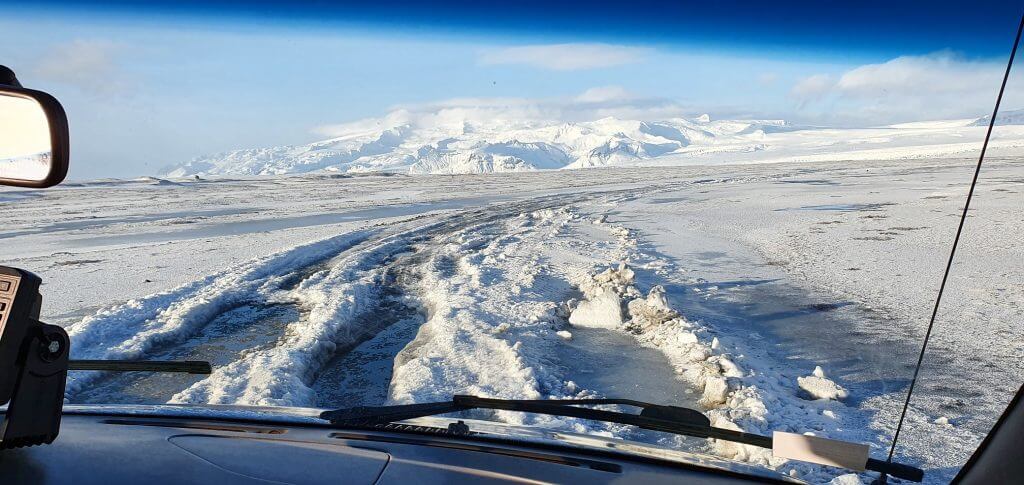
x=812, y=88
x=565, y=57
x=935, y=74
x=86, y=64
x=511, y=113
x=604, y=94
x=910, y=88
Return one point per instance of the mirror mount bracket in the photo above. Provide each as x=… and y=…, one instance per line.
x=8, y=78
x=37, y=364
x=34, y=413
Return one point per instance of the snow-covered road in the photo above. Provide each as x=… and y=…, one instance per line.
x=716, y=288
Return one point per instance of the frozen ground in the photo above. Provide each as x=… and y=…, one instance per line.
x=721, y=288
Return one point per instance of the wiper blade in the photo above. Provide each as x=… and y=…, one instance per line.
x=669, y=419
x=673, y=415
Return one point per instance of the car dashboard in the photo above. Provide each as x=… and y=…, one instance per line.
x=115, y=448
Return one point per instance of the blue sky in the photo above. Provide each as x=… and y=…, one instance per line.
x=148, y=88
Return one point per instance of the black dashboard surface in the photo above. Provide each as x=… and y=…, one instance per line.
x=98, y=449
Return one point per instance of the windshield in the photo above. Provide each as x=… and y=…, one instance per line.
x=742, y=211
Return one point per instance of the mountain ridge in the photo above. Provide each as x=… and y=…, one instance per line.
x=476, y=148
x=398, y=143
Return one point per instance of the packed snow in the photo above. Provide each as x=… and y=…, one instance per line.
x=817, y=386
x=788, y=297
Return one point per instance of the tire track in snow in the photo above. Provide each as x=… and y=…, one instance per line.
x=343, y=305
x=155, y=324
x=361, y=374
x=258, y=302
x=247, y=328
x=497, y=327
x=192, y=321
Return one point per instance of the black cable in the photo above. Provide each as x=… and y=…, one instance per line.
x=956, y=240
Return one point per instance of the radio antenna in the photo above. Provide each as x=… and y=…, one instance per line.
x=956, y=240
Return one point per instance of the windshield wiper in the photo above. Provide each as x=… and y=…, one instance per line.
x=182, y=366
x=669, y=419
x=672, y=419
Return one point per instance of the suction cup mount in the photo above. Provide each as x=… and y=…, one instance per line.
x=34, y=364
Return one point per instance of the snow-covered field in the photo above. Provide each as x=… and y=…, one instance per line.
x=718, y=287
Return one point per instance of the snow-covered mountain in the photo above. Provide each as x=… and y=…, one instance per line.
x=399, y=143
x=469, y=147
x=1007, y=117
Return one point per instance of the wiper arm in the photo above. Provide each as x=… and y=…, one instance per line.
x=672, y=419
x=669, y=419
x=185, y=366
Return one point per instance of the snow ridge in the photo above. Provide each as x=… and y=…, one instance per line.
x=133, y=329
x=1005, y=117
x=735, y=392
x=280, y=375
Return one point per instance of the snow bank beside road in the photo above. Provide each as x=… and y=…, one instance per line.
x=706, y=369
x=739, y=386
x=133, y=329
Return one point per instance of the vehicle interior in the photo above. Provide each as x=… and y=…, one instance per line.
x=495, y=287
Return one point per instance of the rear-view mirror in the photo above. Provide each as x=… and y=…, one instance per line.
x=33, y=136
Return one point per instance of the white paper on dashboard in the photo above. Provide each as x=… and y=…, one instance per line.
x=823, y=451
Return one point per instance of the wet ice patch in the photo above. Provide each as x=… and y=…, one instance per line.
x=699, y=363
x=735, y=393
